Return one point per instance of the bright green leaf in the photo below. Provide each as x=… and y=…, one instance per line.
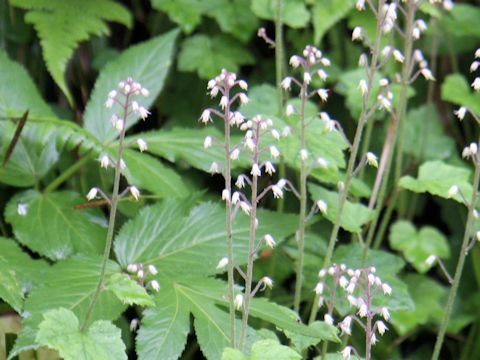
x=128, y=290
x=63, y=24
x=272, y=350
x=302, y=342
x=52, y=227
x=60, y=330
x=147, y=63
x=456, y=89
x=10, y=290
x=417, y=246
x=186, y=13
x=295, y=13
x=354, y=215
x=437, y=177
x=209, y=55
x=326, y=13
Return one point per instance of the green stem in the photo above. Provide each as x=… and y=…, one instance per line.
x=398, y=126
x=67, y=173
x=458, y=271
x=111, y=222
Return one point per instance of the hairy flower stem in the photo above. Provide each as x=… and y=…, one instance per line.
x=111, y=222
x=461, y=262
x=228, y=223
x=368, y=328
x=303, y=204
x=251, y=246
x=398, y=125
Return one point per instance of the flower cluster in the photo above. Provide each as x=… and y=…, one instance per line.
x=141, y=272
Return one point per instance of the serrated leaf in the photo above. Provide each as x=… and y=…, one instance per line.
x=456, y=89
x=302, y=342
x=147, y=63
x=179, y=240
x=69, y=284
x=60, y=330
x=164, y=329
x=29, y=272
x=146, y=172
x=63, y=24
x=52, y=227
x=436, y=178
x=326, y=13
x=10, y=290
x=294, y=14
x=186, y=13
x=354, y=215
x=128, y=291
x=417, y=246
x=209, y=55
x=15, y=80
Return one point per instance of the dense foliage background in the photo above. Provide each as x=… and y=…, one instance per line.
x=59, y=60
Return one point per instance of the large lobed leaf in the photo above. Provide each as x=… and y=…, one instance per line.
x=10, y=289
x=147, y=63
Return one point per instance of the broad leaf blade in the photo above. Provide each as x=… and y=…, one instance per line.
x=10, y=290
x=128, y=291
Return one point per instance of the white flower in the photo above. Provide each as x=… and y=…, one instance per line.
x=286, y=83
x=155, y=285
x=350, y=288
x=119, y=124
x=243, y=98
x=372, y=159
x=362, y=60
x=243, y=85
x=274, y=152
x=398, y=56
x=135, y=106
x=343, y=282
x=205, y=117
x=385, y=313
x=461, y=112
x=92, y=193
x=143, y=112
x=322, y=273
x=347, y=353
x=476, y=84
x=381, y=327
x=477, y=235
x=132, y=268
x=142, y=145
x=286, y=131
x=427, y=74
x=245, y=207
x=222, y=263
x=307, y=77
x=127, y=88
x=223, y=102
x=269, y=240
x=240, y=183
x=267, y=282
x=357, y=33
x=109, y=103
x=275, y=134
x=383, y=82
x=418, y=55
x=322, y=206
x=269, y=168
x=416, y=33
x=214, y=168
x=319, y=288
x=346, y=325
x=328, y=319
x=250, y=143
x=371, y=279
x=277, y=192
x=235, y=197
x=362, y=85
x=290, y=110
x=323, y=163
x=304, y=154
x=140, y=274
x=477, y=53
x=295, y=61
x=473, y=148
x=325, y=61
x=331, y=270
x=474, y=66
x=323, y=94
x=362, y=311
x=352, y=300
x=207, y=142
x=226, y=195
x=373, y=339
x=386, y=51
x=238, y=302
x=255, y=170
x=452, y=191
x=387, y=290
x=22, y=209
x=152, y=269
x=145, y=92
x=322, y=74
x=235, y=154
x=281, y=183
x=214, y=91
x=360, y=5
x=135, y=192
x=384, y=103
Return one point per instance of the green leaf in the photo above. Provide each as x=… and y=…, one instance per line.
x=128, y=290
x=272, y=350
x=354, y=215
x=62, y=25
x=147, y=63
x=179, y=240
x=209, y=55
x=233, y=354
x=417, y=246
x=69, y=284
x=33, y=157
x=302, y=342
x=10, y=290
x=424, y=135
x=326, y=13
x=15, y=80
x=428, y=297
x=52, y=227
x=294, y=14
x=459, y=20
x=164, y=329
x=436, y=178
x=456, y=89
x=146, y=172
x=60, y=330
x=186, y=13
x=29, y=272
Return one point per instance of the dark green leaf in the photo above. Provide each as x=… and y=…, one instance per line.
x=295, y=13
x=10, y=290
x=128, y=290
x=326, y=13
